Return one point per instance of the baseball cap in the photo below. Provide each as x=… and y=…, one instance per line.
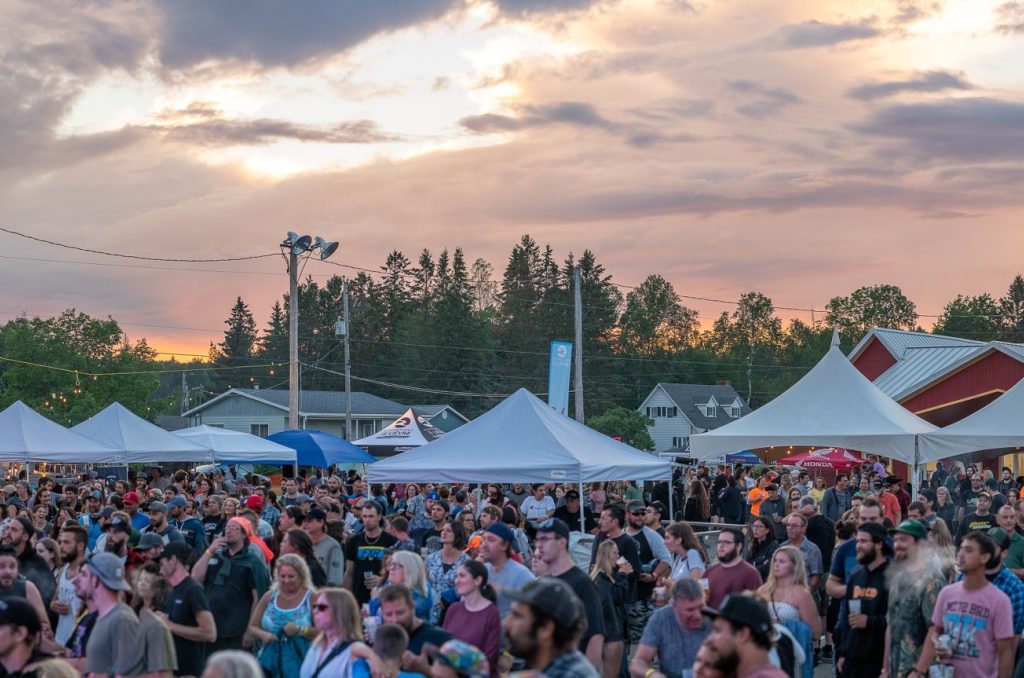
x=96, y=495
x=177, y=501
x=635, y=505
x=892, y=480
x=659, y=508
x=744, y=610
x=984, y=494
x=131, y=497
x=771, y=487
x=502, y=531
x=878, y=533
x=555, y=526
x=1001, y=538
x=553, y=598
x=433, y=495
x=109, y=569
x=150, y=540
x=464, y=659
x=572, y=494
x=15, y=611
x=157, y=507
x=304, y=499
x=119, y=523
x=107, y=513
x=177, y=549
x=915, y=528
x=254, y=502
x=316, y=513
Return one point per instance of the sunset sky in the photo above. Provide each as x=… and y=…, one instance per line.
x=801, y=149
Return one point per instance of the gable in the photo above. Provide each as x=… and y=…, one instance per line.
x=874, y=359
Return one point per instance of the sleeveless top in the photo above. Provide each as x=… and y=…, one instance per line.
x=275, y=618
x=783, y=612
x=66, y=594
x=18, y=589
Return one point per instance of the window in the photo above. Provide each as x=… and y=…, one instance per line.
x=261, y=430
x=677, y=442
x=649, y=413
x=711, y=410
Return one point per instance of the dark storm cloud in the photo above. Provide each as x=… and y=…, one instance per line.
x=220, y=132
x=821, y=34
x=978, y=129
x=764, y=101
x=930, y=81
x=1010, y=17
x=275, y=33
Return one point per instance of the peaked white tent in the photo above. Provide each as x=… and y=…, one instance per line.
x=137, y=439
x=27, y=436
x=522, y=440
x=408, y=432
x=833, y=405
x=225, y=445
x=998, y=425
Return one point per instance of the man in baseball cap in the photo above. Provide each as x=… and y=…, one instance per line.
x=19, y=650
x=114, y=646
x=140, y=520
x=503, y=572
x=741, y=636
x=569, y=512
x=543, y=627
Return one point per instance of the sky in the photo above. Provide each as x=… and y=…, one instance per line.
x=800, y=149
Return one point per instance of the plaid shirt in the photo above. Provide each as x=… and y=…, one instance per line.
x=1011, y=585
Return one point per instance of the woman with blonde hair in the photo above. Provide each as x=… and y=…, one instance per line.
x=406, y=567
x=282, y=618
x=786, y=592
x=939, y=535
x=338, y=645
x=612, y=588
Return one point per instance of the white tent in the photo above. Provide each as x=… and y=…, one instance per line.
x=522, y=440
x=409, y=431
x=225, y=445
x=27, y=436
x=998, y=425
x=833, y=405
x=137, y=439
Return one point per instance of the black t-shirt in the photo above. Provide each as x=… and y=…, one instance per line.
x=573, y=519
x=182, y=604
x=628, y=549
x=586, y=591
x=214, y=527
x=432, y=532
x=871, y=588
x=366, y=556
x=644, y=589
x=427, y=633
x=822, y=533
x=33, y=658
x=973, y=521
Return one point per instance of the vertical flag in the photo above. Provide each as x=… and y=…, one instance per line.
x=558, y=376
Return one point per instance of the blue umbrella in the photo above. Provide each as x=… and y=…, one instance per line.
x=319, y=449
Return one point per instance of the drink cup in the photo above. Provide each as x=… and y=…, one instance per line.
x=705, y=585
x=659, y=594
x=621, y=561
x=854, y=606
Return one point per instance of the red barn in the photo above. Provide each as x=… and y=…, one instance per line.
x=942, y=379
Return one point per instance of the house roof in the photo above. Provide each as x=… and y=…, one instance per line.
x=313, y=402
x=431, y=411
x=898, y=341
x=688, y=396
x=170, y=422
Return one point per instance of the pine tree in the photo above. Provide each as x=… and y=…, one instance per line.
x=1011, y=311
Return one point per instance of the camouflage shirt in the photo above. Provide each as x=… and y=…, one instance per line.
x=912, y=597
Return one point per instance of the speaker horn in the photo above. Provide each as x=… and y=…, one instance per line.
x=327, y=247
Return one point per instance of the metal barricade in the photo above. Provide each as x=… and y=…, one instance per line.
x=708, y=535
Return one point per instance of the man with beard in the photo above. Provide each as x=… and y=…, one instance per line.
x=159, y=525
x=543, y=628
x=396, y=607
x=979, y=519
x=610, y=526
x=975, y=615
x=969, y=495
x=193, y=531
x=13, y=585
x=19, y=652
x=569, y=513
x=140, y=520
x=71, y=541
x=113, y=647
x=836, y=500
x=186, y=611
x=741, y=637
x=31, y=565
x=914, y=585
x=503, y=573
x=1005, y=580
x=117, y=531
x=90, y=518
x=674, y=633
x=1008, y=521
x=656, y=562
x=731, y=574
x=364, y=552
x=864, y=639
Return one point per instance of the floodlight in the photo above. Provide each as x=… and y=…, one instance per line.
x=327, y=247
x=303, y=244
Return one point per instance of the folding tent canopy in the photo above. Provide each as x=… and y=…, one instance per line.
x=998, y=425
x=319, y=449
x=829, y=457
x=27, y=436
x=225, y=445
x=137, y=439
x=833, y=405
x=522, y=440
x=408, y=432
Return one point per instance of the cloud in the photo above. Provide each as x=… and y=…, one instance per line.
x=521, y=8
x=820, y=34
x=977, y=129
x=272, y=33
x=928, y=81
x=1010, y=17
x=765, y=101
x=562, y=112
x=221, y=132
x=674, y=108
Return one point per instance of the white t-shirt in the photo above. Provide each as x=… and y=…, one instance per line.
x=66, y=594
x=532, y=508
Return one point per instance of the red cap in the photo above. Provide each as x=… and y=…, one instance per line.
x=131, y=497
x=254, y=502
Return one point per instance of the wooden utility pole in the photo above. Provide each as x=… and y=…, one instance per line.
x=578, y=352
x=348, y=364
x=293, y=340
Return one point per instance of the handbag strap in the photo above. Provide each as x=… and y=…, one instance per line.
x=338, y=649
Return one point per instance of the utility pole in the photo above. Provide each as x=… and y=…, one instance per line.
x=578, y=352
x=293, y=339
x=348, y=364
x=184, y=394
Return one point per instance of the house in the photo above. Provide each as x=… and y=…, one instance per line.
x=680, y=410
x=265, y=411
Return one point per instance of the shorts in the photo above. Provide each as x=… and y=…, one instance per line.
x=637, y=616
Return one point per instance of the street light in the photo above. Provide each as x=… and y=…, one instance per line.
x=293, y=246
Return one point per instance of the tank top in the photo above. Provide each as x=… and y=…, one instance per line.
x=275, y=618
x=66, y=594
x=18, y=589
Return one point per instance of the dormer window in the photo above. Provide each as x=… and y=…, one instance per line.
x=711, y=410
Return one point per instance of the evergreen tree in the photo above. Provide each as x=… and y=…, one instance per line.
x=1011, y=310
x=237, y=350
x=273, y=345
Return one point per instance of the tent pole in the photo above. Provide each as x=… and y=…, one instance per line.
x=917, y=460
x=583, y=522
x=671, y=512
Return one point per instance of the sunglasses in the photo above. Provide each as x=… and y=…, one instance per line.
x=321, y=607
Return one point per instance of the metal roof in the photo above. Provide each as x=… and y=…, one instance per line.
x=897, y=342
x=919, y=366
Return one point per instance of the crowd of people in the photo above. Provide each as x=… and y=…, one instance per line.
x=197, y=575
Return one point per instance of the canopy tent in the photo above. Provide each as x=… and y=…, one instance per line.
x=27, y=436
x=136, y=439
x=319, y=449
x=828, y=457
x=408, y=432
x=833, y=405
x=225, y=445
x=744, y=457
x=998, y=425
x=522, y=440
